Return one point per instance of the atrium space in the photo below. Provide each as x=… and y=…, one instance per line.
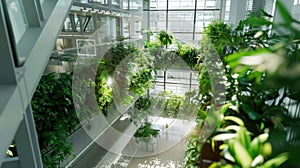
x=149, y=83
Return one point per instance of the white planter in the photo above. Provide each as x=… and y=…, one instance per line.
x=147, y=143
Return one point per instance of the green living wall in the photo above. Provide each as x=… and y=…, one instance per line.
x=253, y=128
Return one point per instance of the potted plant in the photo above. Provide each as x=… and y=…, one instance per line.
x=146, y=137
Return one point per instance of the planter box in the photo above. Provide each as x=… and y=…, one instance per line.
x=147, y=144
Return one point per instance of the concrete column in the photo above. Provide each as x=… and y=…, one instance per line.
x=113, y=28
x=237, y=11
x=222, y=9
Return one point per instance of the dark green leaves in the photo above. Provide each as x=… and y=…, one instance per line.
x=55, y=117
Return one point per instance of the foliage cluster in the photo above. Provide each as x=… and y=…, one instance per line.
x=146, y=131
x=166, y=57
x=170, y=103
x=55, y=117
x=259, y=58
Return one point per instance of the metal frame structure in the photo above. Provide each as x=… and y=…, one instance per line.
x=21, y=67
x=194, y=10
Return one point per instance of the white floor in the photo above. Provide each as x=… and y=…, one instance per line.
x=172, y=158
x=169, y=151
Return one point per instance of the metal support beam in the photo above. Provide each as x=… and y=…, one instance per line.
x=40, y=53
x=17, y=90
x=11, y=163
x=7, y=70
x=27, y=142
x=32, y=12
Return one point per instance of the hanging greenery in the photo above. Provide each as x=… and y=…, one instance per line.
x=103, y=91
x=189, y=54
x=165, y=38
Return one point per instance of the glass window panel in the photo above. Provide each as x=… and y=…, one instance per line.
x=158, y=4
x=90, y=26
x=198, y=37
x=211, y=4
x=181, y=4
x=157, y=20
x=184, y=37
x=226, y=17
x=135, y=4
x=207, y=16
x=137, y=28
x=204, y=4
x=125, y=27
x=181, y=21
x=82, y=1
x=200, y=4
x=125, y=4
x=17, y=18
x=115, y=2
x=77, y=22
x=101, y=1
x=67, y=24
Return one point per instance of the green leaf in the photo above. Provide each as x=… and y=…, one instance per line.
x=224, y=136
x=253, y=115
x=257, y=21
x=241, y=154
x=277, y=161
x=257, y=161
x=284, y=13
x=234, y=59
x=244, y=138
x=233, y=127
x=224, y=108
x=266, y=14
x=235, y=119
x=256, y=144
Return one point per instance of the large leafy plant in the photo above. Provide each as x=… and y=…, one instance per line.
x=259, y=80
x=165, y=38
x=102, y=88
x=240, y=150
x=146, y=131
x=188, y=53
x=55, y=117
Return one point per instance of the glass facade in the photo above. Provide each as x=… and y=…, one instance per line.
x=17, y=18
x=186, y=19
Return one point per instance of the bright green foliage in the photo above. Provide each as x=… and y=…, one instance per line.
x=103, y=90
x=239, y=150
x=126, y=70
x=146, y=131
x=141, y=73
x=55, y=117
x=170, y=103
x=116, y=54
x=218, y=34
x=165, y=38
x=148, y=34
x=189, y=54
x=262, y=71
x=192, y=153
